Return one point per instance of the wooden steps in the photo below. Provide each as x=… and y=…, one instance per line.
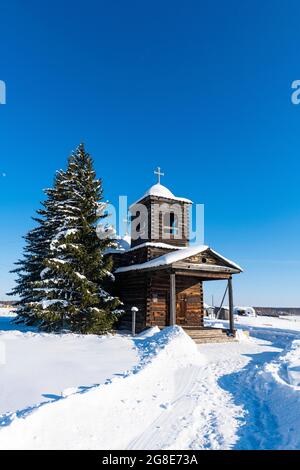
x=199, y=334
x=208, y=335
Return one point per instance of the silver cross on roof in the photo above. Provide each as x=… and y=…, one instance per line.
x=159, y=174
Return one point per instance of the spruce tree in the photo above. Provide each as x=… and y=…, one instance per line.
x=72, y=288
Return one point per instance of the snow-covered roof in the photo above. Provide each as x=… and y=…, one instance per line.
x=174, y=256
x=155, y=245
x=125, y=247
x=122, y=245
x=159, y=190
x=207, y=306
x=238, y=307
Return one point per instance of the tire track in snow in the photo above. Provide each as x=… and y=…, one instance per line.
x=215, y=418
x=200, y=415
x=172, y=418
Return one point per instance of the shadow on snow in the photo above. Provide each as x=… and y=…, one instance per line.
x=249, y=389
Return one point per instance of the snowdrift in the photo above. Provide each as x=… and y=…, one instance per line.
x=287, y=369
x=122, y=407
x=278, y=384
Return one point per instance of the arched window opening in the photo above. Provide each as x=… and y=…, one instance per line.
x=171, y=224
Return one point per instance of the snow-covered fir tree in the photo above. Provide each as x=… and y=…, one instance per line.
x=71, y=290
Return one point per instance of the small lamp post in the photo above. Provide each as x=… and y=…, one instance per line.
x=133, y=311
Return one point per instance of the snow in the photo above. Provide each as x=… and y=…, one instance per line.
x=156, y=245
x=46, y=303
x=122, y=244
x=67, y=232
x=159, y=190
x=124, y=248
x=57, y=260
x=158, y=390
x=128, y=401
x=6, y=314
x=244, y=310
x=268, y=385
x=62, y=234
x=175, y=256
x=40, y=366
x=80, y=276
x=282, y=323
x=44, y=272
x=287, y=369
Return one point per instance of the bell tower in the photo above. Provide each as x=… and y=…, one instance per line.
x=160, y=217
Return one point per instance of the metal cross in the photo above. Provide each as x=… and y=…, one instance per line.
x=159, y=174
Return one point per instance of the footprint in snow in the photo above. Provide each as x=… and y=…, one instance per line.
x=165, y=406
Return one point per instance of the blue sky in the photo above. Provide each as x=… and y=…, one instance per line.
x=200, y=88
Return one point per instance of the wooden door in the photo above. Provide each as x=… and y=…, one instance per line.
x=181, y=306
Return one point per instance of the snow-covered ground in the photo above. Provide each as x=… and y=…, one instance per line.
x=156, y=391
x=37, y=367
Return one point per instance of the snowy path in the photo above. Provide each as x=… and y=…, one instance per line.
x=202, y=414
x=199, y=415
x=175, y=414
x=235, y=400
x=226, y=403
x=267, y=386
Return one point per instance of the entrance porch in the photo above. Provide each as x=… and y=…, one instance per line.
x=186, y=308
x=176, y=298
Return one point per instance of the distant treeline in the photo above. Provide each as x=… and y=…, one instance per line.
x=7, y=303
x=277, y=311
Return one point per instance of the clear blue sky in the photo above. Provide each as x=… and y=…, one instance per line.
x=200, y=88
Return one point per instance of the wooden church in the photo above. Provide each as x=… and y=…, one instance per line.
x=160, y=273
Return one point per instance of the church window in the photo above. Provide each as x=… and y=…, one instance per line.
x=171, y=224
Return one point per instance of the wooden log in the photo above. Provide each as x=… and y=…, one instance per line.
x=230, y=301
x=172, y=299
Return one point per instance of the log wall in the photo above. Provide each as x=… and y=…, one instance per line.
x=189, y=300
x=150, y=293
x=153, y=221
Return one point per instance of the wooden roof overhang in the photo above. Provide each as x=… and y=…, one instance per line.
x=203, y=271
